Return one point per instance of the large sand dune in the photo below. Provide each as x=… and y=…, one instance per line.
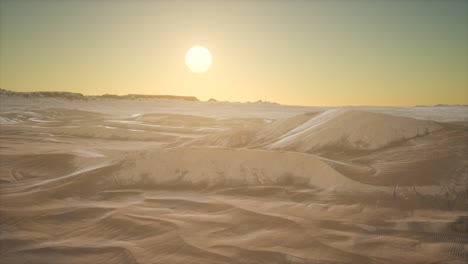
x=103, y=181
x=202, y=167
x=336, y=128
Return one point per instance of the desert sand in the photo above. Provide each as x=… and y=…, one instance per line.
x=172, y=181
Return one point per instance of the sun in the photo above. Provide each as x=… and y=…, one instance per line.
x=198, y=59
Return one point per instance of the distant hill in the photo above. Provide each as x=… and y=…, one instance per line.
x=65, y=95
x=438, y=105
x=149, y=96
x=78, y=96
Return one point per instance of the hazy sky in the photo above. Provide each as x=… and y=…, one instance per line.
x=293, y=52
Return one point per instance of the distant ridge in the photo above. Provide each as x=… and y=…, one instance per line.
x=149, y=96
x=439, y=105
x=65, y=95
x=79, y=96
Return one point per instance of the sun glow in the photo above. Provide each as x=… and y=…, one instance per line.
x=198, y=59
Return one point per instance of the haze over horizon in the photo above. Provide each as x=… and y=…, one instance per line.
x=322, y=53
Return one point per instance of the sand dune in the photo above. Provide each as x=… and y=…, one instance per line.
x=338, y=128
x=353, y=129
x=201, y=167
x=257, y=184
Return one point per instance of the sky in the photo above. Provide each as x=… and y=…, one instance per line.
x=315, y=53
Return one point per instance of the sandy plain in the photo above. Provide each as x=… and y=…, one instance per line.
x=169, y=181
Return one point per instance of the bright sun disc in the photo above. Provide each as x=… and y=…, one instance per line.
x=198, y=59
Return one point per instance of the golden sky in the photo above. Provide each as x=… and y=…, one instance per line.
x=322, y=53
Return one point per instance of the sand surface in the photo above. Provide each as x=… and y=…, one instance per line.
x=168, y=181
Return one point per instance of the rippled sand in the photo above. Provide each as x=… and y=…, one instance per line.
x=226, y=185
